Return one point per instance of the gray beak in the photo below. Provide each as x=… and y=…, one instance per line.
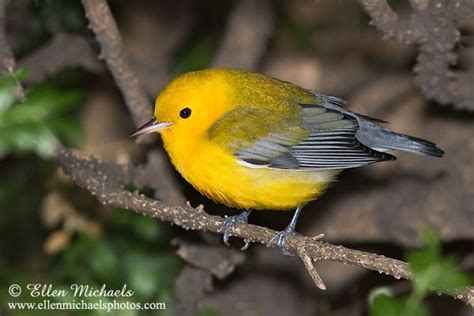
x=151, y=126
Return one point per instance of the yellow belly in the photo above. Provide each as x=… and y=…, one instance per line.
x=219, y=176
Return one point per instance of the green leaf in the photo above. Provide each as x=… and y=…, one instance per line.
x=27, y=137
x=7, y=84
x=102, y=259
x=146, y=227
x=68, y=130
x=450, y=276
x=421, y=259
x=431, y=270
x=151, y=273
x=383, y=305
x=33, y=124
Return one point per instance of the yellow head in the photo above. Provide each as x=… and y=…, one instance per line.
x=190, y=104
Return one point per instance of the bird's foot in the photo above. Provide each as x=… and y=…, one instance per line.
x=280, y=239
x=230, y=222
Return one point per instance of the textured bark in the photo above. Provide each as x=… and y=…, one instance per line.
x=433, y=27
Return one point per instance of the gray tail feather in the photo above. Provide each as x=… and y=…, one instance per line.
x=378, y=138
x=411, y=144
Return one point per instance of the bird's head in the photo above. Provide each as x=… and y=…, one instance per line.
x=190, y=104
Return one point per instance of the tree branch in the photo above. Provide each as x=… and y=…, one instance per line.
x=107, y=33
x=433, y=27
x=101, y=180
x=386, y=20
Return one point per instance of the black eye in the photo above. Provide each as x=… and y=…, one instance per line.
x=185, y=113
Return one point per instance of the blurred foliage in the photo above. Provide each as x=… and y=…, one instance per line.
x=133, y=250
x=200, y=47
x=208, y=312
x=61, y=16
x=130, y=252
x=301, y=33
x=432, y=272
x=49, y=17
x=197, y=55
x=30, y=125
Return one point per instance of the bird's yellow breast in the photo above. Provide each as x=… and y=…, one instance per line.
x=218, y=175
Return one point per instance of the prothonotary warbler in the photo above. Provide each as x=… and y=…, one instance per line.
x=254, y=142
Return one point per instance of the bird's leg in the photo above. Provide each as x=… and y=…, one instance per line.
x=281, y=237
x=230, y=222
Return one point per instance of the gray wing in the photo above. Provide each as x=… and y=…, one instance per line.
x=377, y=137
x=331, y=143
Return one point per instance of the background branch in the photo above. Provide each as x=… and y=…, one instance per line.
x=63, y=51
x=433, y=70
x=249, y=27
x=106, y=31
x=386, y=20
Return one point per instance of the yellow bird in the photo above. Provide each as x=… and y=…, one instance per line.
x=254, y=142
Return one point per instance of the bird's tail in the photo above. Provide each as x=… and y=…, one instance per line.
x=396, y=141
x=382, y=139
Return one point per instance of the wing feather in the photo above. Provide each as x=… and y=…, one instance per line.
x=328, y=140
x=332, y=142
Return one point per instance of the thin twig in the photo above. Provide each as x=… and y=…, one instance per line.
x=103, y=183
x=308, y=263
